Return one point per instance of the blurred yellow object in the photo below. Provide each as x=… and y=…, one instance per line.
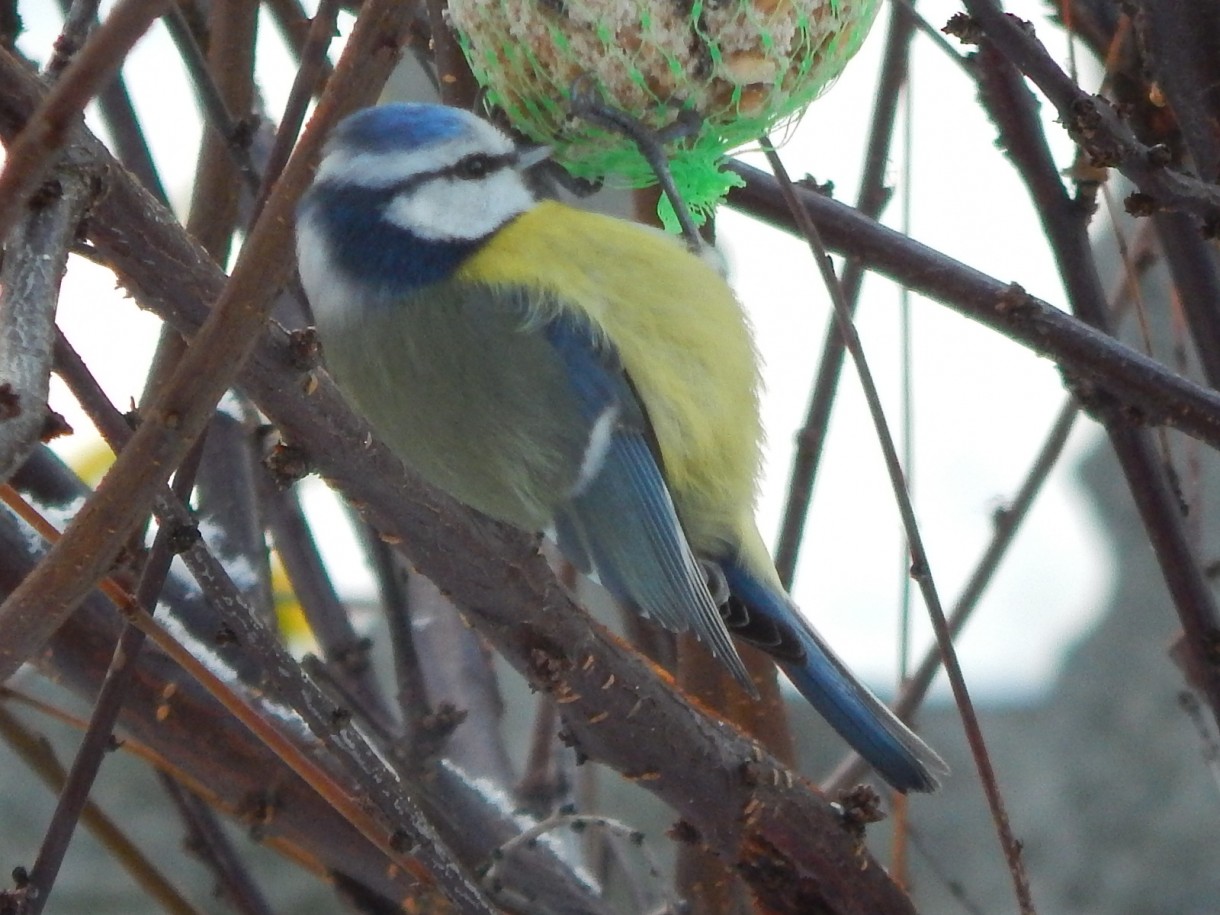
x=294, y=628
x=87, y=455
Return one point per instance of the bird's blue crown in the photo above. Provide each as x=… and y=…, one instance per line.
x=400, y=127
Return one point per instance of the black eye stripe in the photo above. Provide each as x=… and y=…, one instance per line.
x=475, y=165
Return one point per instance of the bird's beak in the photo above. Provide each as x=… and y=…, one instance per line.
x=531, y=156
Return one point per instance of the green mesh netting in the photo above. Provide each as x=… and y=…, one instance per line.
x=743, y=65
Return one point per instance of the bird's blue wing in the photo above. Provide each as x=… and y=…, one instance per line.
x=768, y=618
x=619, y=517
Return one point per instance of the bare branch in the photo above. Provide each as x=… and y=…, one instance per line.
x=31, y=155
x=35, y=256
x=182, y=410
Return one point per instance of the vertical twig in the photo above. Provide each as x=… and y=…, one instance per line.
x=295, y=26
x=1014, y=110
x=310, y=75
x=79, y=17
x=233, y=139
x=1007, y=522
x=345, y=651
x=99, y=734
x=35, y=751
x=870, y=201
x=119, y=115
x=920, y=568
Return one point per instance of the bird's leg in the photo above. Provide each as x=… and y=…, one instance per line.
x=586, y=103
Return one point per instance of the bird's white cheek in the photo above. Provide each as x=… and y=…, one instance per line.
x=450, y=209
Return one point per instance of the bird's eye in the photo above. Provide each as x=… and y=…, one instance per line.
x=474, y=166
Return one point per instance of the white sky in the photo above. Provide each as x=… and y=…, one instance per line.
x=982, y=404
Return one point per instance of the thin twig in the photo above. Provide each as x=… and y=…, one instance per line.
x=79, y=18
x=225, y=83
x=294, y=26
x=955, y=887
x=228, y=508
x=586, y=103
x=542, y=788
x=35, y=751
x=1007, y=521
x=31, y=155
x=91, y=542
x=346, y=652
x=1195, y=270
x=119, y=116
x=311, y=73
x=931, y=32
x=1209, y=744
x=461, y=680
x=216, y=110
x=98, y=735
x=921, y=569
x=210, y=844
x=1013, y=108
x=870, y=201
x=390, y=573
x=580, y=823
x=457, y=84
x=1093, y=122
x=1152, y=393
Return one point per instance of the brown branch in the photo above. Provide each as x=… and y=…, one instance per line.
x=1092, y=121
x=311, y=74
x=788, y=841
x=921, y=568
x=346, y=652
x=1148, y=391
x=35, y=257
x=458, y=675
x=230, y=134
x=32, y=154
x=210, y=752
x=230, y=75
x=36, y=752
x=208, y=842
x=110, y=698
x=119, y=115
x=1065, y=222
x=95, y=536
x=294, y=26
x=79, y=17
x=457, y=84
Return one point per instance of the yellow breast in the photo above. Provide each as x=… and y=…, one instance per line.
x=681, y=336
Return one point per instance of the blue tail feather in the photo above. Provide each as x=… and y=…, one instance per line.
x=885, y=743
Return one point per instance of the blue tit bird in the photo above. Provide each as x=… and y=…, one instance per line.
x=559, y=369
